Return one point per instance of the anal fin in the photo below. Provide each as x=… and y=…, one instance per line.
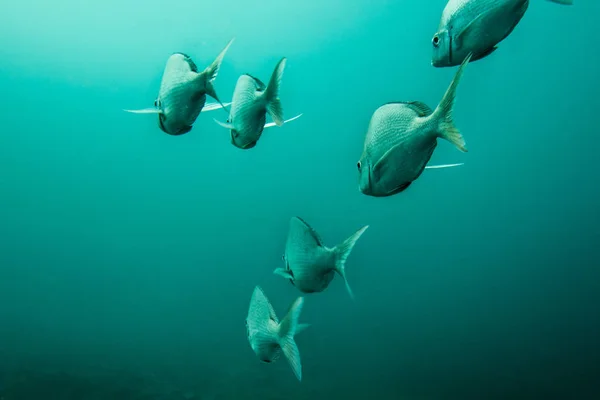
x=484, y=54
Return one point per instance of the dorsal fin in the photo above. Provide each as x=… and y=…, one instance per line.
x=301, y=228
x=422, y=109
x=189, y=61
x=260, y=86
x=260, y=310
x=272, y=313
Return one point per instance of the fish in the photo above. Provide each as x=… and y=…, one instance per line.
x=182, y=93
x=268, y=336
x=476, y=26
x=310, y=265
x=252, y=100
x=400, y=141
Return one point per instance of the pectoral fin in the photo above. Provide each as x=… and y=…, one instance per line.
x=214, y=106
x=271, y=124
x=145, y=111
x=223, y=124
x=443, y=166
x=283, y=273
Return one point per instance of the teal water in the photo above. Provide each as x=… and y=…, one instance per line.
x=128, y=256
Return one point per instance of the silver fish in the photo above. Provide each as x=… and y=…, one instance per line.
x=182, y=93
x=400, y=140
x=475, y=26
x=251, y=102
x=309, y=264
x=268, y=337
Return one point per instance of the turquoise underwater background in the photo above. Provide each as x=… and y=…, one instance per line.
x=128, y=256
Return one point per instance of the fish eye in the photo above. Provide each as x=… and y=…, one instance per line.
x=436, y=40
x=358, y=165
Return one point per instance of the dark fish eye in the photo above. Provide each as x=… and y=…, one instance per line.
x=358, y=165
x=436, y=40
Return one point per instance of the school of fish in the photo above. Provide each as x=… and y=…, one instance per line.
x=399, y=142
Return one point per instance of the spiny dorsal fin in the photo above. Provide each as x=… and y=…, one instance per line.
x=260, y=86
x=309, y=230
x=272, y=313
x=422, y=109
x=189, y=61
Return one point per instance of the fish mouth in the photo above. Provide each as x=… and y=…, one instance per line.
x=440, y=62
x=234, y=141
x=366, y=189
x=182, y=130
x=243, y=146
x=369, y=192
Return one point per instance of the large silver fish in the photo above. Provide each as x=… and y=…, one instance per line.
x=475, y=26
x=182, y=93
x=309, y=264
x=268, y=337
x=250, y=103
x=400, y=140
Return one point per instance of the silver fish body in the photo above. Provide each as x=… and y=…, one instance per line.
x=181, y=96
x=268, y=337
x=183, y=91
x=251, y=101
x=400, y=141
x=475, y=26
x=310, y=265
x=248, y=112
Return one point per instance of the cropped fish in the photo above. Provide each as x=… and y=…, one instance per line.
x=250, y=103
x=268, y=337
x=401, y=139
x=182, y=93
x=309, y=264
x=475, y=26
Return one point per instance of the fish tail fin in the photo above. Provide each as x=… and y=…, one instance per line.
x=288, y=327
x=212, y=71
x=260, y=313
x=274, y=107
x=342, y=252
x=443, y=112
x=564, y=2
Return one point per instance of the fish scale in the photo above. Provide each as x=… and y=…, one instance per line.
x=181, y=94
x=477, y=27
x=400, y=141
x=268, y=337
x=251, y=102
x=261, y=325
x=310, y=265
x=307, y=257
x=472, y=7
x=248, y=111
x=389, y=126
